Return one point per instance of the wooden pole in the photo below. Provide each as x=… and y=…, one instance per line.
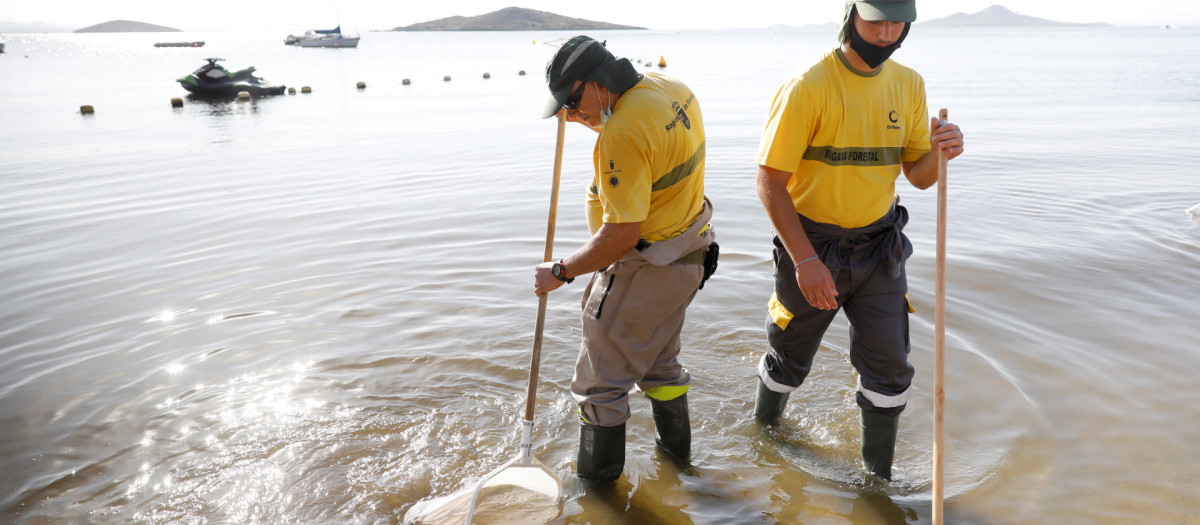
x=939, y=337
x=536, y=359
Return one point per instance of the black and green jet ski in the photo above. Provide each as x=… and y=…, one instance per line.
x=212, y=80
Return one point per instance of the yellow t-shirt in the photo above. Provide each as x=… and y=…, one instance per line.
x=649, y=160
x=843, y=134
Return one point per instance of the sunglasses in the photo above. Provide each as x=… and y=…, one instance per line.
x=572, y=101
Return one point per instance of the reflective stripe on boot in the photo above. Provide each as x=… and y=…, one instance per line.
x=879, y=442
x=601, y=452
x=768, y=404
x=673, y=426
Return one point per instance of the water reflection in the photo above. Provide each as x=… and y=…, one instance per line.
x=878, y=508
x=656, y=498
x=237, y=446
x=223, y=106
x=169, y=316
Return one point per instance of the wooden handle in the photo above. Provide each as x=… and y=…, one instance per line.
x=939, y=337
x=536, y=359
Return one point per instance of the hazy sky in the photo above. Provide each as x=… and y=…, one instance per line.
x=385, y=14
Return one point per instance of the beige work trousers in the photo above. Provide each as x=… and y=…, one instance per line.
x=632, y=316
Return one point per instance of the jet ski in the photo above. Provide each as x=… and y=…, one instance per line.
x=212, y=80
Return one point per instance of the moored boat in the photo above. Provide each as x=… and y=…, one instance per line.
x=323, y=38
x=212, y=80
x=180, y=44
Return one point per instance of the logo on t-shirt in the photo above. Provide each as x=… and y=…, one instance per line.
x=613, y=171
x=687, y=123
x=894, y=118
x=680, y=115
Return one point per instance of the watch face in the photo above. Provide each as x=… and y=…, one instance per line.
x=557, y=270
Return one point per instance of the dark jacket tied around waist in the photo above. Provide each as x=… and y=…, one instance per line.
x=861, y=249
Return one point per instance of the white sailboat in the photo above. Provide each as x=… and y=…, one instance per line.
x=325, y=38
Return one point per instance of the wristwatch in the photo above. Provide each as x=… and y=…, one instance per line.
x=560, y=272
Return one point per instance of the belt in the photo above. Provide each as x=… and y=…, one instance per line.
x=696, y=257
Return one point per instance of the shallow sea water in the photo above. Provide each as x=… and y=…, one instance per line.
x=317, y=308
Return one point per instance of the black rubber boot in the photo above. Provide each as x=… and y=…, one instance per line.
x=601, y=452
x=879, y=442
x=768, y=404
x=673, y=426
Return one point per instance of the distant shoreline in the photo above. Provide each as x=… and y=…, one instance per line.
x=514, y=19
x=127, y=26
x=13, y=31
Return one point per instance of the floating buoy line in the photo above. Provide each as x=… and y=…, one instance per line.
x=177, y=102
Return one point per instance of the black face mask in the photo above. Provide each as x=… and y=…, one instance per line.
x=872, y=54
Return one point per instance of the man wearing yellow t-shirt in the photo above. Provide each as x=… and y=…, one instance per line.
x=651, y=247
x=835, y=141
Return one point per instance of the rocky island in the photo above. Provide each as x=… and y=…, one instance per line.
x=996, y=16
x=127, y=26
x=511, y=19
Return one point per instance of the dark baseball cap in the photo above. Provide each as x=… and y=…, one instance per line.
x=583, y=58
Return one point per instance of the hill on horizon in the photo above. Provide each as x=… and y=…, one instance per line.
x=997, y=16
x=511, y=19
x=127, y=26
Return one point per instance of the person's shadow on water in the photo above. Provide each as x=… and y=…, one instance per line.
x=658, y=499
